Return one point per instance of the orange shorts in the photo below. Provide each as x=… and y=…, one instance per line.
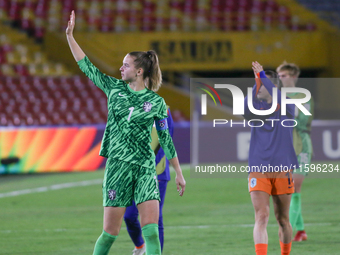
x=272, y=183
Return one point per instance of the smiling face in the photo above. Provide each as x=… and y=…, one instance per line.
x=128, y=71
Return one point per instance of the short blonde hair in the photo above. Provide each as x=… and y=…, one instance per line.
x=292, y=68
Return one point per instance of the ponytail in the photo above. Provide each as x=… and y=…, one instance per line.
x=148, y=61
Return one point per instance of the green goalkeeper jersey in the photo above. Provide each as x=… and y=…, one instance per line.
x=301, y=133
x=131, y=115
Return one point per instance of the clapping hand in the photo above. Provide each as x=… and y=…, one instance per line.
x=257, y=67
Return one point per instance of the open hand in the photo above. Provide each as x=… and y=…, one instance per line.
x=71, y=23
x=257, y=67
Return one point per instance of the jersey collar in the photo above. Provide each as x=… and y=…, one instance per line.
x=136, y=92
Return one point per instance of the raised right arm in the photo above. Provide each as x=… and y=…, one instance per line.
x=77, y=52
x=101, y=80
x=256, y=87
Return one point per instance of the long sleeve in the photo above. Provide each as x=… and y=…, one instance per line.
x=256, y=103
x=304, y=121
x=269, y=85
x=101, y=80
x=167, y=144
x=164, y=136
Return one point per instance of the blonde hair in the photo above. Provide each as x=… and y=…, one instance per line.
x=148, y=61
x=292, y=68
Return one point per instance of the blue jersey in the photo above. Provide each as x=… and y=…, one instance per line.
x=272, y=144
x=162, y=163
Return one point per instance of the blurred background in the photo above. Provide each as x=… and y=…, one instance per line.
x=41, y=85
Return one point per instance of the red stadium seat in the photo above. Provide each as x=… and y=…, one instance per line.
x=146, y=15
x=4, y=120
x=106, y=23
x=29, y=120
x=15, y=12
x=21, y=70
x=310, y=26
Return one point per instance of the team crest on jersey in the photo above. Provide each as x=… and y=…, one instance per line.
x=112, y=194
x=147, y=106
x=253, y=182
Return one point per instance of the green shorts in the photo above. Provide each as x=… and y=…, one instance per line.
x=124, y=182
x=304, y=159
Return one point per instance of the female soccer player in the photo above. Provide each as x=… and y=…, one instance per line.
x=131, y=213
x=288, y=74
x=271, y=146
x=130, y=169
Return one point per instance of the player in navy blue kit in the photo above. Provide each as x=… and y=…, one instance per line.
x=271, y=145
x=131, y=213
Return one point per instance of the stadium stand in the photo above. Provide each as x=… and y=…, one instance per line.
x=35, y=91
x=27, y=101
x=60, y=100
x=20, y=57
x=37, y=16
x=327, y=9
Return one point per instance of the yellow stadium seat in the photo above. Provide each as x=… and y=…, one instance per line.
x=13, y=57
x=7, y=70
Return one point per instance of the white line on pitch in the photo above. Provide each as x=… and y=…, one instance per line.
x=52, y=187
x=59, y=186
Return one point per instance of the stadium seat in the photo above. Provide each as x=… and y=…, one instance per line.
x=327, y=9
x=148, y=15
x=51, y=101
x=43, y=93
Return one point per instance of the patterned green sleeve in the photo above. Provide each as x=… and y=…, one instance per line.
x=101, y=80
x=162, y=111
x=164, y=136
x=167, y=144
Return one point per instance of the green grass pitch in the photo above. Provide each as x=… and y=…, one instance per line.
x=215, y=216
